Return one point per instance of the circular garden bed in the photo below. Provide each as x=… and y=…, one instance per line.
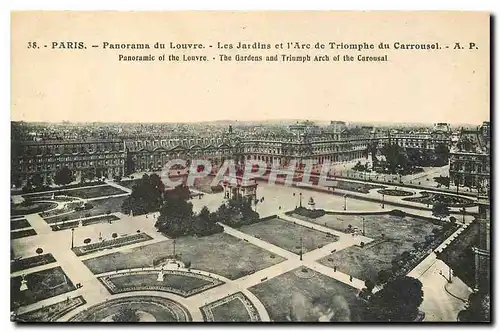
x=140, y=308
x=395, y=192
x=28, y=207
x=449, y=200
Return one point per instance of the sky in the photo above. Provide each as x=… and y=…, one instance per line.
x=53, y=85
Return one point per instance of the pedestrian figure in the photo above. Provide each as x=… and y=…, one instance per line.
x=350, y=278
x=335, y=268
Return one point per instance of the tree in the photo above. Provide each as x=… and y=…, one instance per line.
x=398, y=301
x=39, y=251
x=176, y=217
x=440, y=210
x=442, y=153
x=146, y=197
x=382, y=277
x=443, y=180
x=63, y=176
x=405, y=255
x=478, y=309
x=237, y=212
x=396, y=159
x=37, y=181
x=126, y=315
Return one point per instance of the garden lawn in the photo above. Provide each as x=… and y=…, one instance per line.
x=229, y=310
x=51, y=312
x=183, y=285
x=30, y=208
x=41, y=285
x=357, y=186
x=85, y=193
x=276, y=295
x=287, y=235
x=129, y=183
x=29, y=262
x=20, y=234
x=220, y=253
x=393, y=235
x=459, y=255
x=19, y=223
x=377, y=224
x=100, y=207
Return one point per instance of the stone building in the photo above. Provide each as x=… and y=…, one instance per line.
x=470, y=160
x=90, y=158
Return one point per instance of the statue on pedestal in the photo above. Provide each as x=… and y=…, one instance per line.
x=311, y=204
x=24, y=284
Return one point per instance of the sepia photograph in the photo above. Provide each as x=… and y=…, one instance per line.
x=250, y=166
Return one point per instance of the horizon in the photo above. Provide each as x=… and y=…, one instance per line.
x=285, y=120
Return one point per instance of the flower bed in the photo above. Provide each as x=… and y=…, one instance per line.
x=85, y=222
x=395, y=192
x=430, y=198
x=417, y=256
x=78, y=185
x=101, y=219
x=23, y=233
x=357, y=186
x=19, y=223
x=30, y=208
x=302, y=211
x=122, y=241
x=52, y=312
x=30, y=262
x=66, y=225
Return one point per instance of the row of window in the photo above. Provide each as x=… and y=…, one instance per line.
x=27, y=160
x=75, y=165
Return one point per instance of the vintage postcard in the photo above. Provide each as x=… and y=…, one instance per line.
x=305, y=166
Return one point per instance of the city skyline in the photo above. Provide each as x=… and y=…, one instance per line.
x=274, y=121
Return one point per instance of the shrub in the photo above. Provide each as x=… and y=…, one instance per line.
x=86, y=241
x=398, y=213
x=39, y=251
x=362, y=244
x=453, y=219
x=114, y=235
x=187, y=264
x=65, y=218
x=309, y=213
x=87, y=215
x=217, y=189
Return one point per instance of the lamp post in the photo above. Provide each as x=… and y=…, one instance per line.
x=174, y=248
x=72, y=238
x=300, y=199
x=363, y=226
x=383, y=200
x=301, y=248
x=345, y=202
